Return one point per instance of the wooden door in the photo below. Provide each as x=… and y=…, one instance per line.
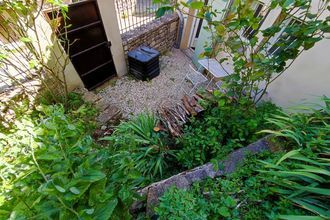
x=88, y=46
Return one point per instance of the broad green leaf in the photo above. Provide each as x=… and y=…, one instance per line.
x=59, y=188
x=288, y=155
x=105, y=210
x=224, y=211
x=74, y=190
x=92, y=175
x=310, y=207
x=197, y=5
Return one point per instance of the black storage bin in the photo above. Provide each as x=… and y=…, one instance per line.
x=144, y=62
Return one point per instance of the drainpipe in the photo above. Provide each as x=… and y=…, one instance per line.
x=181, y=26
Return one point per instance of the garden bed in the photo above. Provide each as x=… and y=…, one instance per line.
x=186, y=179
x=58, y=163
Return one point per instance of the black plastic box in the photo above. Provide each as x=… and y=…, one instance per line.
x=144, y=63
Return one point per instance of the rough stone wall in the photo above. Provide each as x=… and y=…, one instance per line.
x=160, y=34
x=185, y=179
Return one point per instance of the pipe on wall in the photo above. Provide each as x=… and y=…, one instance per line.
x=181, y=26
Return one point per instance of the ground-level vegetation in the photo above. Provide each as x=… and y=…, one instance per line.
x=51, y=166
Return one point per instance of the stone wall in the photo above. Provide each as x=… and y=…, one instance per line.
x=160, y=34
x=185, y=179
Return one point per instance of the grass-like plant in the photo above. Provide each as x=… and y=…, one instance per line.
x=140, y=140
x=303, y=174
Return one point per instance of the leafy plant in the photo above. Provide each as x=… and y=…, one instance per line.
x=51, y=168
x=227, y=124
x=140, y=140
x=178, y=204
x=244, y=194
x=255, y=64
x=31, y=51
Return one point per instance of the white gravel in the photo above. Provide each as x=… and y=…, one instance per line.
x=133, y=96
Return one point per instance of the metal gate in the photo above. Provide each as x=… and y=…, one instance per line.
x=88, y=46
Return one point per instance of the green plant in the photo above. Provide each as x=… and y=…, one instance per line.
x=140, y=140
x=303, y=180
x=236, y=32
x=227, y=124
x=310, y=129
x=50, y=168
x=303, y=175
x=178, y=204
x=244, y=194
x=31, y=51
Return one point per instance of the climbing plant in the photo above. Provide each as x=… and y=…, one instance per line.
x=259, y=55
x=32, y=60
x=29, y=48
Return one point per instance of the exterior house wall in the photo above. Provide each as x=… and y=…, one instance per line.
x=306, y=80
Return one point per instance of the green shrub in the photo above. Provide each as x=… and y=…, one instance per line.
x=50, y=168
x=244, y=194
x=178, y=204
x=226, y=125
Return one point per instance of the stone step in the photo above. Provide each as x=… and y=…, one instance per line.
x=111, y=115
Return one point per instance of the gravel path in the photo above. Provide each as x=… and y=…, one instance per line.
x=133, y=96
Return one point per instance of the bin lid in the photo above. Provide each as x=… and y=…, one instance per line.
x=143, y=53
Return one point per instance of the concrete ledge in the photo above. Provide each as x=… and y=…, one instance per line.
x=187, y=178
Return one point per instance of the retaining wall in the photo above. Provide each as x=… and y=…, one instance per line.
x=160, y=34
x=185, y=179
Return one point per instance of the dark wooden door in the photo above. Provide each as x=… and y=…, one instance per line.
x=87, y=45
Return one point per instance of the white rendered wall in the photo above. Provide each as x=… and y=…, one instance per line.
x=305, y=81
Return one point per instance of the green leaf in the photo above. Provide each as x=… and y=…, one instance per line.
x=300, y=217
x=310, y=207
x=287, y=155
x=224, y=211
x=315, y=190
x=92, y=176
x=162, y=10
x=59, y=188
x=196, y=5
x=310, y=15
x=287, y=3
x=25, y=39
x=220, y=29
x=89, y=211
x=74, y=190
x=105, y=210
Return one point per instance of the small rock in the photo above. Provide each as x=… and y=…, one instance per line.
x=102, y=105
x=91, y=97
